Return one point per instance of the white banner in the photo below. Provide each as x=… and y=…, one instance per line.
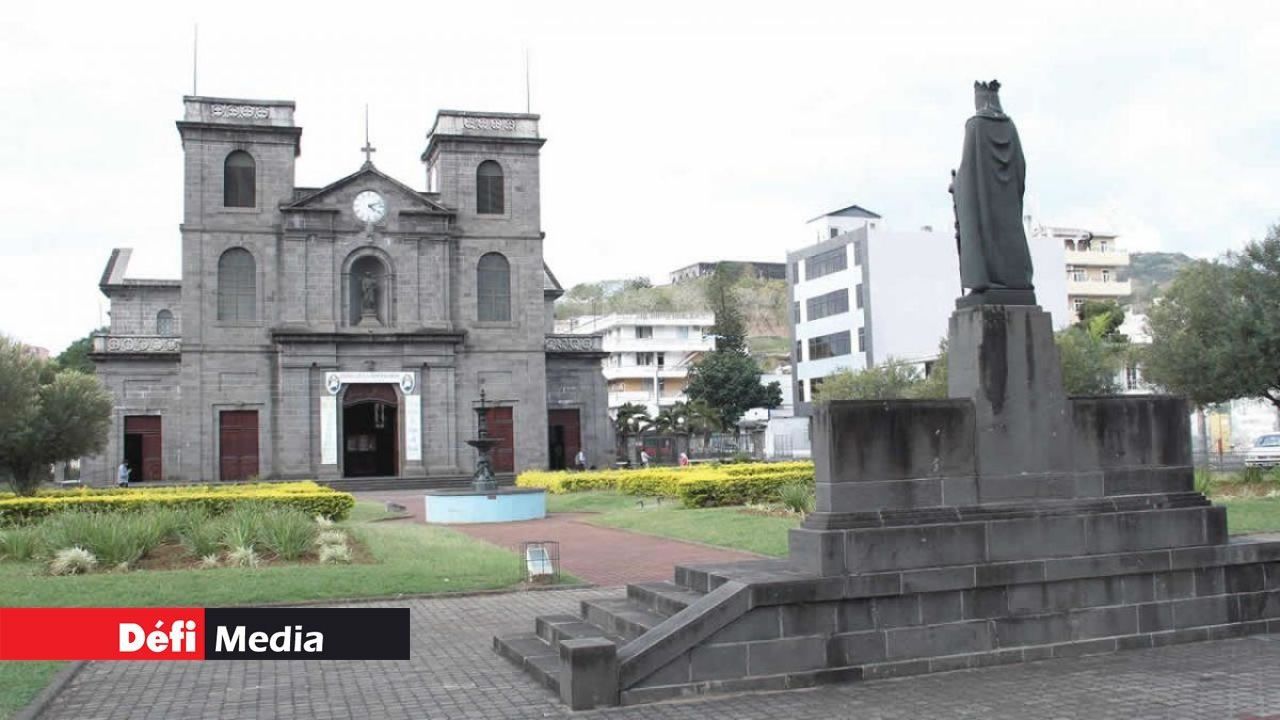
x=413, y=428
x=328, y=430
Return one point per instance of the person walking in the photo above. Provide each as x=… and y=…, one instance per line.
x=644, y=458
x=580, y=461
x=122, y=474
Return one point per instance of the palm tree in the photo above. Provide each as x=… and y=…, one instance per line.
x=671, y=420
x=701, y=419
x=629, y=419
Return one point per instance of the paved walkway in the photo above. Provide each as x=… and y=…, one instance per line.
x=603, y=556
x=454, y=673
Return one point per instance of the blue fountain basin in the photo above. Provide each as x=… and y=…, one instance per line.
x=449, y=507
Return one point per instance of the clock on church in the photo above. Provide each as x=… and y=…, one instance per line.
x=369, y=207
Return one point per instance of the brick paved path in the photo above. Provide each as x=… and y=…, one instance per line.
x=599, y=555
x=453, y=673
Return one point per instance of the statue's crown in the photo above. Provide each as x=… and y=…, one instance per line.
x=986, y=98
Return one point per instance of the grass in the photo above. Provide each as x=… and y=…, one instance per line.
x=408, y=558
x=729, y=527
x=1252, y=515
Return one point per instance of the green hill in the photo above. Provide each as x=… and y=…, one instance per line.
x=1151, y=272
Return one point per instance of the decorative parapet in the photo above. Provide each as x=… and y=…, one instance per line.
x=561, y=343
x=136, y=344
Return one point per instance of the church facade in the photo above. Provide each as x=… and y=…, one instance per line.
x=350, y=330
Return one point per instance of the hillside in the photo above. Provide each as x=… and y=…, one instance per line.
x=1150, y=273
x=763, y=302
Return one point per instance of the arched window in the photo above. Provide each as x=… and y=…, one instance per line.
x=369, y=291
x=238, y=180
x=237, y=286
x=489, y=188
x=164, y=323
x=493, y=288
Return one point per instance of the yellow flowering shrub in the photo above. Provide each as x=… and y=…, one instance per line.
x=694, y=485
x=307, y=496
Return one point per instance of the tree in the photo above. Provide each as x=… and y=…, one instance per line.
x=728, y=381
x=888, y=380
x=639, y=282
x=1209, y=339
x=629, y=419
x=730, y=328
x=44, y=422
x=1089, y=363
x=76, y=356
x=1102, y=319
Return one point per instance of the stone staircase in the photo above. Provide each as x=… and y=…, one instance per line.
x=615, y=620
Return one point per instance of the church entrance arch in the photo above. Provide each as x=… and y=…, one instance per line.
x=370, y=436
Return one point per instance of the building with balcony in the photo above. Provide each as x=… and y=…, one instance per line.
x=863, y=293
x=649, y=355
x=1095, y=263
x=348, y=330
x=761, y=270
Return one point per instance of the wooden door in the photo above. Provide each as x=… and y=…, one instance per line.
x=500, y=427
x=238, y=444
x=570, y=434
x=150, y=465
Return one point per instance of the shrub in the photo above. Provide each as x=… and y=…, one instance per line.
x=1252, y=476
x=110, y=537
x=335, y=554
x=331, y=537
x=1204, y=481
x=286, y=532
x=242, y=556
x=797, y=497
x=308, y=498
x=72, y=561
x=695, y=486
x=202, y=539
x=21, y=543
x=209, y=561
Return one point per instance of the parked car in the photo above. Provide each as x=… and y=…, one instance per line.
x=1265, y=452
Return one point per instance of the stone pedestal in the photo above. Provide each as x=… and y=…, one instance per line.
x=1003, y=359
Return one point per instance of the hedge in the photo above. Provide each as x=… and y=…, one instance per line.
x=307, y=497
x=694, y=486
x=290, y=487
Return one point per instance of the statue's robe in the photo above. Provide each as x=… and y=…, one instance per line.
x=988, y=189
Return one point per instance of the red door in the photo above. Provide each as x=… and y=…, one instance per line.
x=146, y=431
x=566, y=437
x=238, y=444
x=499, y=426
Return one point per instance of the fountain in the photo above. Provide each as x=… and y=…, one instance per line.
x=485, y=502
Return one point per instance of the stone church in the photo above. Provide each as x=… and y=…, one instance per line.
x=348, y=330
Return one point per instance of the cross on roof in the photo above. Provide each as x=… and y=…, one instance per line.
x=368, y=148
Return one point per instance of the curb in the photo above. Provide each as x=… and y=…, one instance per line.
x=415, y=596
x=41, y=701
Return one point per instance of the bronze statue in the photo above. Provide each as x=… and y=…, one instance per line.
x=995, y=262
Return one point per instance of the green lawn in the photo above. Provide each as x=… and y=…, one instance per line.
x=1252, y=515
x=410, y=558
x=728, y=527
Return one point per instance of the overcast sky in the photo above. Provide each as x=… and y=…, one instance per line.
x=677, y=132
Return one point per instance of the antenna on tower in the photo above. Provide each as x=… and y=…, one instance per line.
x=527, y=94
x=195, y=59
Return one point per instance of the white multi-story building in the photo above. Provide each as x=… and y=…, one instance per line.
x=649, y=354
x=1094, y=263
x=864, y=293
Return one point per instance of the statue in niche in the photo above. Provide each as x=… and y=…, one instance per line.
x=369, y=295
x=995, y=262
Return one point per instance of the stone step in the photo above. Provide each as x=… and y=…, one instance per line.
x=662, y=597
x=555, y=628
x=621, y=616
x=530, y=653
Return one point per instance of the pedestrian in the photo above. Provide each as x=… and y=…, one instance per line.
x=644, y=458
x=684, y=460
x=122, y=474
x=580, y=461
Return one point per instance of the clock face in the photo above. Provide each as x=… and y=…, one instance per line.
x=369, y=207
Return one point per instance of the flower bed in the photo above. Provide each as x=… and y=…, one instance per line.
x=307, y=497
x=694, y=486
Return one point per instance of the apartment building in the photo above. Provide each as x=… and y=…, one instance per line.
x=862, y=293
x=649, y=354
x=1094, y=261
